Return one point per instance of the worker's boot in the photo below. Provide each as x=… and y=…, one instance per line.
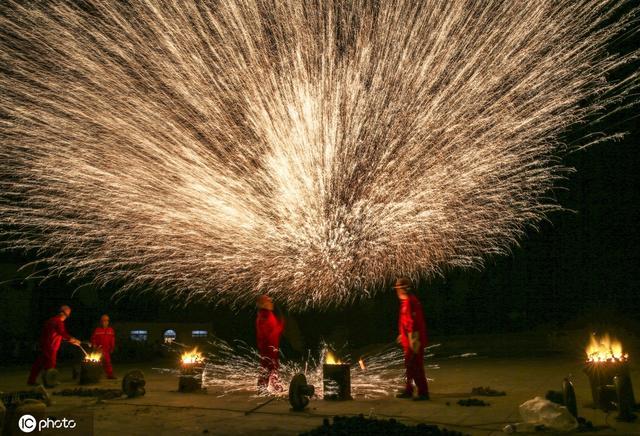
x=404, y=394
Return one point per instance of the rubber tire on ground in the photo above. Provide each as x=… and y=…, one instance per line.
x=299, y=392
x=133, y=383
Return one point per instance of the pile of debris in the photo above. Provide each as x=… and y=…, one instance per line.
x=14, y=405
x=353, y=425
x=486, y=391
x=107, y=394
x=473, y=402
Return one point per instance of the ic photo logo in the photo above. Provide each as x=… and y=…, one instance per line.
x=28, y=423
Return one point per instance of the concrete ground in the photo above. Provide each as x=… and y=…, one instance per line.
x=163, y=411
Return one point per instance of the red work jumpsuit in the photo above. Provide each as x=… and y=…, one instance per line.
x=105, y=338
x=53, y=333
x=412, y=320
x=268, y=331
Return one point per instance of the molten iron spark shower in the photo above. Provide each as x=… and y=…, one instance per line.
x=234, y=368
x=310, y=149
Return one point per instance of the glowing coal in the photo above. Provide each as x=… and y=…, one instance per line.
x=191, y=371
x=607, y=367
x=190, y=358
x=94, y=356
x=605, y=349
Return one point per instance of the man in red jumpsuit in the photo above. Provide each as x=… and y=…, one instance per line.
x=104, y=338
x=413, y=337
x=53, y=333
x=268, y=330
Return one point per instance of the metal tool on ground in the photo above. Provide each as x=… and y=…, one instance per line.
x=259, y=406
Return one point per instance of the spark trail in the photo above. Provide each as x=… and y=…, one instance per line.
x=311, y=149
x=234, y=368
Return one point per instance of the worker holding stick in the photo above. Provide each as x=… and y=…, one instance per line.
x=413, y=338
x=269, y=327
x=53, y=333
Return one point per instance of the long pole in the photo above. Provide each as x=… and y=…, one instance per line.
x=85, y=353
x=259, y=406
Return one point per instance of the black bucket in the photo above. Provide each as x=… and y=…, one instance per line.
x=90, y=372
x=336, y=381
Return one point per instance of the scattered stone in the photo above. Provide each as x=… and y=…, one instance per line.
x=472, y=402
x=359, y=425
x=14, y=397
x=106, y=394
x=486, y=391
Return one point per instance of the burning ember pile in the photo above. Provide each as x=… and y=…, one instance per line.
x=193, y=357
x=607, y=367
x=90, y=367
x=94, y=356
x=192, y=366
x=605, y=349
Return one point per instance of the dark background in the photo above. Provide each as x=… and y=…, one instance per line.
x=579, y=270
